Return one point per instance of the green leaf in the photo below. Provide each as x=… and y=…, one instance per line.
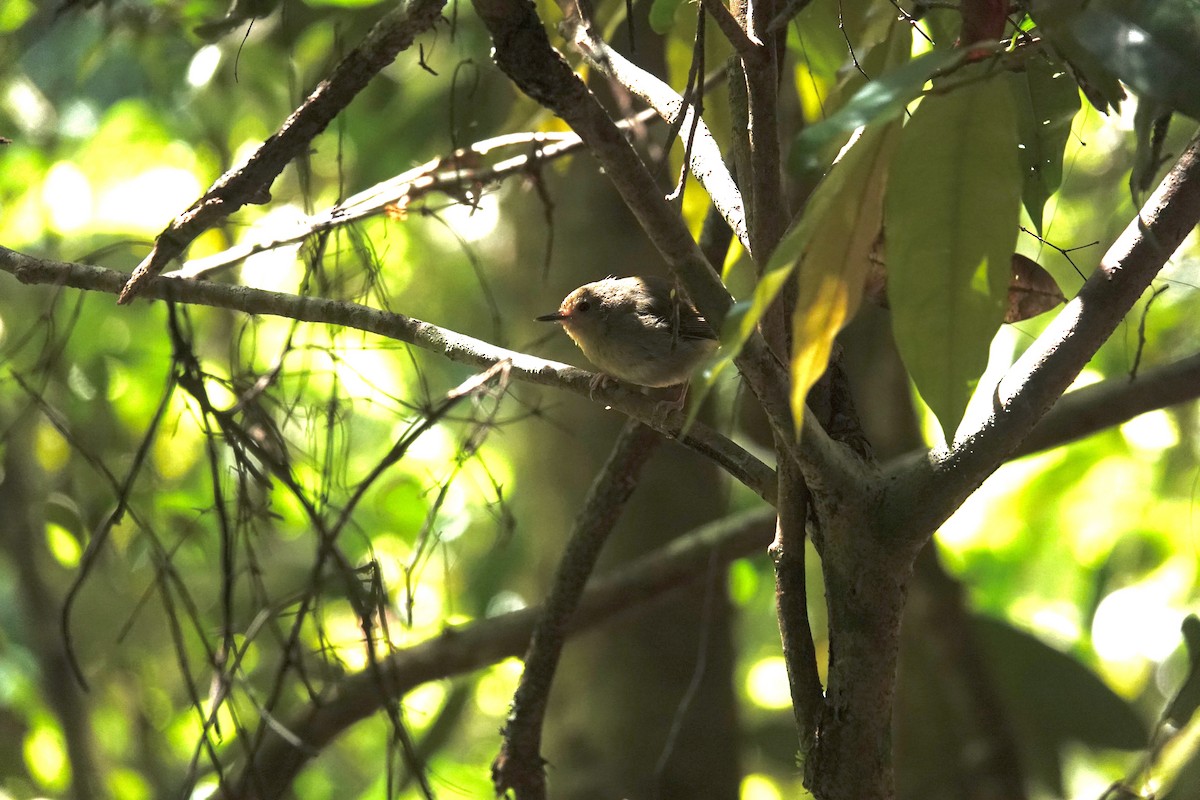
x=1154, y=47
x=952, y=208
x=1150, y=123
x=1047, y=100
x=1055, y=699
x=879, y=100
x=834, y=265
x=1055, y=20
x=744, y=316
x=662, y=15
x=1187, y=699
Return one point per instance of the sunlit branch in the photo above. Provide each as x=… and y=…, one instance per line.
x=454, y=346
x=251, y=181
x=470, y=647
x=1103, y=405
x=458, y=174
x=944, y=478
x=707, y=163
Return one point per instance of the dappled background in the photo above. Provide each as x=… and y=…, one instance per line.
x=202, y=607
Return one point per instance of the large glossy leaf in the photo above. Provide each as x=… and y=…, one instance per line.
x=834, y=266
x=953, y=205
x=1047, y=100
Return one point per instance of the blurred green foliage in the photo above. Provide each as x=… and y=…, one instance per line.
x=122, y=112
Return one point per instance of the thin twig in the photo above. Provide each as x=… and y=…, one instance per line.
x=466, y=648
x=250, y=182
x=706, y=161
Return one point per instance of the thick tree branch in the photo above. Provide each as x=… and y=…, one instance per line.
x=454, y=346
x=519, y=767
x=1103, y=405
x=250, y=182
x=476, y=645
x=939, y=482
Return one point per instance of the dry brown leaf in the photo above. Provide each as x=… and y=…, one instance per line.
x=1031, y=291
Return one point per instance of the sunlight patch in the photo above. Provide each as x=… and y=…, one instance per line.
x=148, y=201
x=767, y=683
x=1151, y=432
x=1138, y=621
x=67, y=196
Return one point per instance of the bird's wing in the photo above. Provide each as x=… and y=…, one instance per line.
x=691, y=325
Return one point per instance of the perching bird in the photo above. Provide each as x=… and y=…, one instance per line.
x=641, y=330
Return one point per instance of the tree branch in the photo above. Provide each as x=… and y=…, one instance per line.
x=466, y=648
x=1104, y=405
x=743, y=45
x=707, y=163
x=519, y=765
x=941, y=480
x=448, y=174
x=523, y=51
x=791, y=605
x=250, y=182
x=756, y=475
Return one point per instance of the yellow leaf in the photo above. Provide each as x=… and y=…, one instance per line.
x=834, y=265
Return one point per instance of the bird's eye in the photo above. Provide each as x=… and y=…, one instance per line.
x=583, y=305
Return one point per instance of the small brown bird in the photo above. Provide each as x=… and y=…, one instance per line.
x=641, y=330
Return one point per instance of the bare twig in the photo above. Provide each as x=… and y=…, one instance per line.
x=1102, y=405
x=250, y=182
x=473, y=646
x=444, y=174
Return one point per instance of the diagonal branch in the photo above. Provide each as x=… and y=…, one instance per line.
x=944, y=478
x=519, y=766
x=452, y=345
x=454, y=174
x=250, y=182
x=1103, y=405
x=743, y=44
x=707, y=163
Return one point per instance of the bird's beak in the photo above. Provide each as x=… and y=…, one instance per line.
x=557, y=316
